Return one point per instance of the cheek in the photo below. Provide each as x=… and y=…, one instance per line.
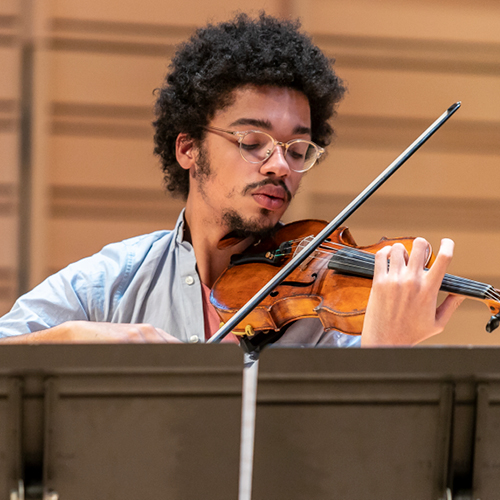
x=296, y=179
x=232, y=177
x=226, y=184
x=231, y=193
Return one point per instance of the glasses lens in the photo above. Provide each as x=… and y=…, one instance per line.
x=256, y=147
x=301, y=155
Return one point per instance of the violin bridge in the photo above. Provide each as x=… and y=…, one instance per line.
x=309, y=259
x=301, y=247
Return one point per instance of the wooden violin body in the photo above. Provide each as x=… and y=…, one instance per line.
x=333, y=284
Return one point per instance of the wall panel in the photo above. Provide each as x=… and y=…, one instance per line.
x=123, y=158
x=10, y=137
x=106, y=78
x=421, y=19
x=421, y=94
x=190, y=12
x=103, y=173
x=81, y=222
x=96, y=179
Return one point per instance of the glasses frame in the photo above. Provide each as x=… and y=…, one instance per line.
x=240, y=135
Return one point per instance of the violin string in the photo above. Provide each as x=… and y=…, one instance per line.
x=457, y=284
x=494, y=294
x=356, y=256
x=461, y=285
x=362, y=256
x=364, y=261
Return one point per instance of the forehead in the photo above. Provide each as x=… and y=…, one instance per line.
x=279, y=106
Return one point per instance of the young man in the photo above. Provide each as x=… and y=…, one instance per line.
x=244, y=111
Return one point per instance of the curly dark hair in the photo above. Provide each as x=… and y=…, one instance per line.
x=219, y=58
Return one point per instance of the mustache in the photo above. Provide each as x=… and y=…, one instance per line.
x=266, y=182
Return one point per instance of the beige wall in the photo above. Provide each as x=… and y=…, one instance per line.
x=94, y=179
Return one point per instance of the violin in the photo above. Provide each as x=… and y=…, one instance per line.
x=332, y=284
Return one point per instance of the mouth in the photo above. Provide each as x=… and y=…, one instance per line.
x=270, y=197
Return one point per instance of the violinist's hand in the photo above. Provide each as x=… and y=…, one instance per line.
x=402, y=309
x=88, y=332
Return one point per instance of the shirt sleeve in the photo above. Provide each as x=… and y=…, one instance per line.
x=86, y=290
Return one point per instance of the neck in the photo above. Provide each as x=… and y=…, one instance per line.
x=205, y=235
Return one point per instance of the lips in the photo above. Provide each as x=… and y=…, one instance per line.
x=270, y=196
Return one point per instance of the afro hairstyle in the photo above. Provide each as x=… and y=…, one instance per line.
x=220, y=58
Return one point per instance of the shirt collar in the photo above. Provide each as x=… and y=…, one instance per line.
x=179, y=227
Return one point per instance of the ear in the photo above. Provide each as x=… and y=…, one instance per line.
x=185, y=151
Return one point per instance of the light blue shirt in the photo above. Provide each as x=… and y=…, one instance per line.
x=147, y=279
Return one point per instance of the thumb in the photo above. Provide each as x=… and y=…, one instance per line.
x=447, y=308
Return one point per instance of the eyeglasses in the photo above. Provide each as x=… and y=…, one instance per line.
x=257, y=147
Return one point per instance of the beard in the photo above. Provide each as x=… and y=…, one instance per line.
x=203, y=169
x=240, y=228
x=237, y=225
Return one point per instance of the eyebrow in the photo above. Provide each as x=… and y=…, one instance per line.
x=266, y=125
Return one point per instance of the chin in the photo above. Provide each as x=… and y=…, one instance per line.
x=253, y=226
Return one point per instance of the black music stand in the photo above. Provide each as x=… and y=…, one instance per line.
x=361, y=424
x=10, y=435
x=135, y=421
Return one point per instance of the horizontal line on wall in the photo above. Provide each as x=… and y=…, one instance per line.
x=7, y=40
x=83, y=202
x=7, y=274
x=446, y=56
x=456, y=49
x=8, y=124
x=8, y=115
x=376, y=132
x=121, y=28
x=411, y=212
x=8, y=292
x=91, y=110
x=7, y=209
x=102, y=130
x=9, y=27
x=372, y=132
x=113, y=194
x=420, y=64
x=8, y=21
x=102, y=120
x=8, y=201
x=8, y=105
x=405, y=45
x=157, y=40
x=8, y=283
x=350, y=50
x=164, y=50
x=7, y=190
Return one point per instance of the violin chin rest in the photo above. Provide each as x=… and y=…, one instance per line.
x=493, y=323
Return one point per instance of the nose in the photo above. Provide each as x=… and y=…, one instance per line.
x=276, y=164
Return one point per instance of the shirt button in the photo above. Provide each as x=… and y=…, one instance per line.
x=194, y=339
x=189, y=280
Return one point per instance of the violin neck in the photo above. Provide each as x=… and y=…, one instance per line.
x=358, y=263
